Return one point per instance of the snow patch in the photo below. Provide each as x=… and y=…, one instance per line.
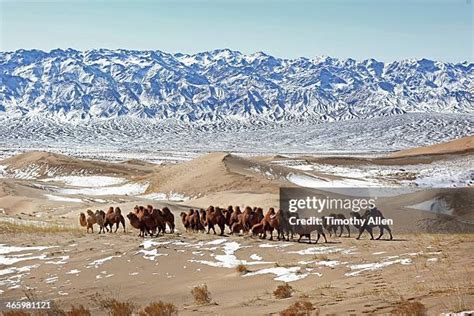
x=282, y=274
x=87, y=181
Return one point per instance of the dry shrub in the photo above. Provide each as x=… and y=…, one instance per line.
x=283, y=291
x=300, y=308
x=14, y=228
x=114, y=307
x=242, y=269
x=409, y=308
x=78, y=311
x=159, y=309
x=201, y=294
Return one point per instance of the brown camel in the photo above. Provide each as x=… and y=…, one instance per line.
x=159, y=219
x=184, y=220
x=140, y=211
x=215, y=217
x=137, y=223
x=258, y=229
x=245, y=218
x=227, y=215
x=169, y=218
x=114, y=217
x=235, y=216
x=236, y=228
x=202, y=216
x=268, y=223
x=99, y=216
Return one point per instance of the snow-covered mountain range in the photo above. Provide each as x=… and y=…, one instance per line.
x=224, y=86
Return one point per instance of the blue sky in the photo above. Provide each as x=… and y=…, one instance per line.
x=383, y=29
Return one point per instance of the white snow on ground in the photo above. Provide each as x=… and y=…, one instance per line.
x=62, y=198
x=463, y=313
x=326, y=263
x=125, y=189
x=50, y=280
x=308, y=181
x=359, y=268
x=6, y=249
x=151, y=254
x=433, y=205
x=228, y=259
x=63, y=260
x=17, y=270
x=11, y=259
x=457, y=172
x=323, y=250
x=255, y=257
x=282, y=274
x=73, y=271
x=87, y=181
x=99, y=262
x=30, y=172
x=275, y=245
x=216, y=241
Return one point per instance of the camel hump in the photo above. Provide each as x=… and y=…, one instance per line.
x=82, y=219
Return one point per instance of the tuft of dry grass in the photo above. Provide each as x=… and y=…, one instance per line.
x=159, y=309
x=242, y=269
x=201, y=294
x=320, y=257
x=300, y=308
x=78, y=311
x=114, y=307
x=11, y=228
x=408, y=308
x=283, y=291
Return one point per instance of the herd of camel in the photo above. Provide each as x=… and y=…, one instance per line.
x=151, y=221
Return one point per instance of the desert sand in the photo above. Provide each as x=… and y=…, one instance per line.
x=44, y=250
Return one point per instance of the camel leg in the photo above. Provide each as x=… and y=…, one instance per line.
x=324, y=236
x=222, y=230
x=123, y=224
x=348, y=231
x=361, y=230
x=381, y=233
x=317, y=239
x=390, y=232
x=342, y=228
x=369, y=229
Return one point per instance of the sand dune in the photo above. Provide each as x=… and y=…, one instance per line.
x=39, y=164
x=457, y=146
x=217, y=172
